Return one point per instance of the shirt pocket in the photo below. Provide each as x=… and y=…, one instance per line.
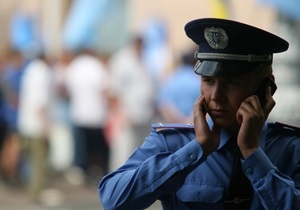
x=202, y=193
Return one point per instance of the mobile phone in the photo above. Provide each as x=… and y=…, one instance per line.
x=261, y=92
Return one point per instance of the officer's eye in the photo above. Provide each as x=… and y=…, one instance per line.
x=207, y=80
x=234, y=82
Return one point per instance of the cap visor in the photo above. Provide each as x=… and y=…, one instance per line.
x=224, y=68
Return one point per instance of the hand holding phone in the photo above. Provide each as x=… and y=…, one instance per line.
x=250, y=127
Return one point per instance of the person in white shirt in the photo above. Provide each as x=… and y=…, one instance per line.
x=34, y=121
x=132, y=88
x=87, y=83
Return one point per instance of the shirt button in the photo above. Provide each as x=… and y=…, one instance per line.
x=250, y=170
x=193, y=157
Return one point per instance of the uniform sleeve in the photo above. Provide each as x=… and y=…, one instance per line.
x=150, y=172
x=274, y=189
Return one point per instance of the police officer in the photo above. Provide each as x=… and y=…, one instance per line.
x=235, y=159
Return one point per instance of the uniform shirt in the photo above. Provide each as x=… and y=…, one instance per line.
x=170, y=166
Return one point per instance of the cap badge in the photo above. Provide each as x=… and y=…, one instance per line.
x=216, y=37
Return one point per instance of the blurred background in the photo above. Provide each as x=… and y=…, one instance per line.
x=82, y=80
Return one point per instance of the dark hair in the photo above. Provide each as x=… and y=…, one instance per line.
x=263, y=71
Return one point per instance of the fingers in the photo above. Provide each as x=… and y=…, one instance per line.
x=252, y=107
x=209, y=140
x=199, y=106
x=199, y=116
x=249, y=108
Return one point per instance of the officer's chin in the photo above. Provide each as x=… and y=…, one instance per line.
x=232, y=127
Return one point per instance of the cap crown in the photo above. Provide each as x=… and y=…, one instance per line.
x=215, y=35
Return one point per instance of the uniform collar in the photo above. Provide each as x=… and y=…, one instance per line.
x=225, y=135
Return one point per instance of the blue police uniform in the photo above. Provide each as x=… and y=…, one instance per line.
x=185, y=179
x=171, y=166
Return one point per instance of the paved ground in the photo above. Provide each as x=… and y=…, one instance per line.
x=62, y=196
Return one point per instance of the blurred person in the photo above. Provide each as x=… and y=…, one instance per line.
x=174, y=104
x=87, y=83
x=61, y=141
x=234, y=159
x=34, y=123
x=12, y=71
x=157, y=53
x=3, y=126
x=132, y=89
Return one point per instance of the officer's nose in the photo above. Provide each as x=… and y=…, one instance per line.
x=218, y=92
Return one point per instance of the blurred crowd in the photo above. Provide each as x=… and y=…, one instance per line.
x=80, y=115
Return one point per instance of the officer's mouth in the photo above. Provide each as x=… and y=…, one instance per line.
x=218, y=112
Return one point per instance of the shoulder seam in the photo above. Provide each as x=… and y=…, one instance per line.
x=161, y=126
x=284, y=125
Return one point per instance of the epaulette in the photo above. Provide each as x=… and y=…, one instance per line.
x=161, y=126
x=292, y=127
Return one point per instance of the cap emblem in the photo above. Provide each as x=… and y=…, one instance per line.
x=216, y=37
